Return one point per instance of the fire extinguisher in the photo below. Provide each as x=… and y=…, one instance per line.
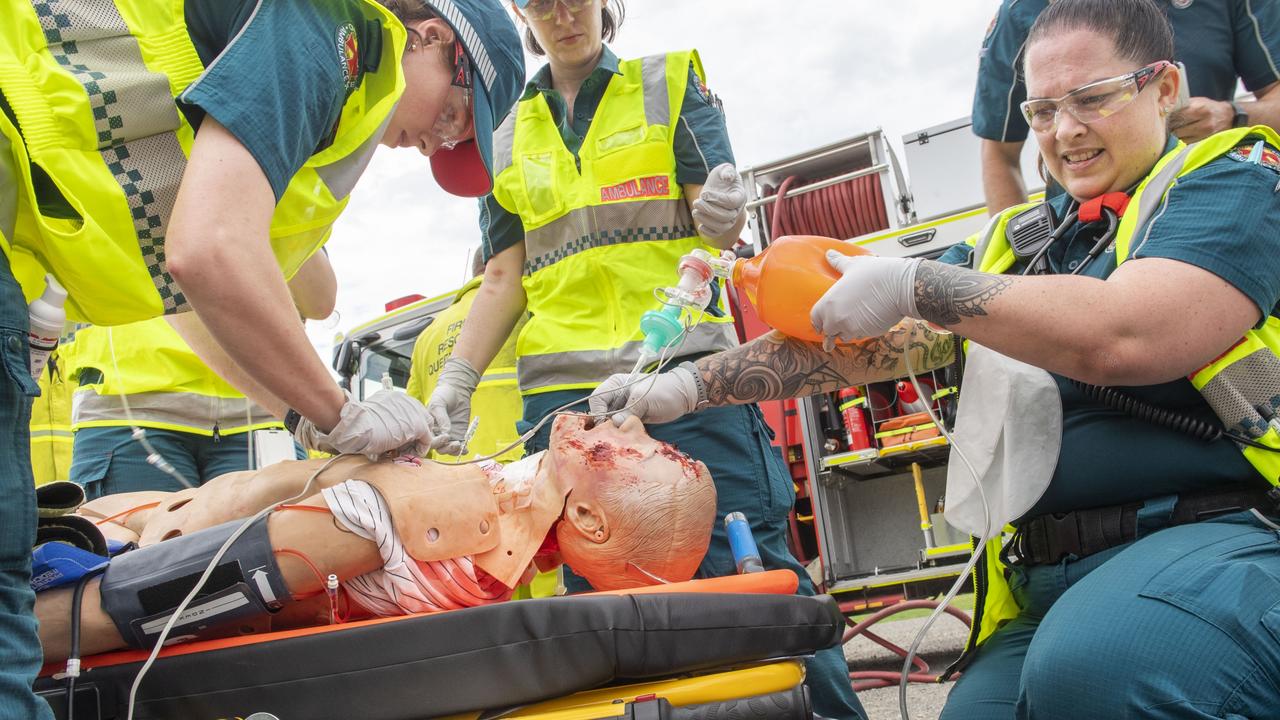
x=857, y=434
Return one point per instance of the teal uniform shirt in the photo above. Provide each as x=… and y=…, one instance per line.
x=1221, y=218
x=701, y=140
x=1218, y=41
x=275, y=75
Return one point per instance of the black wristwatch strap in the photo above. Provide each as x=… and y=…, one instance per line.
x=291, y=420
x=697, y=381
x=1241, y=118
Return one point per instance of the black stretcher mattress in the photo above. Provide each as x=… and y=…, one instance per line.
x=480, y=658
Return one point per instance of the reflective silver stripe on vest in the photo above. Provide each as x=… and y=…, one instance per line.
x=497, y=377
x=657, y=102
x=984, y=241
x=470, y=39
x=1154, y=194
x=134, y=115
x=593, y=366
x=601, y=225
x=1238, y=390
x=41, y=435
x=199, y=412
x=341, y=176
x=504, y=142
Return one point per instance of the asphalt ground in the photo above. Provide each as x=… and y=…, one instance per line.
x=940, y=647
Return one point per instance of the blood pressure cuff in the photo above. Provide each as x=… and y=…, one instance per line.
x=141, y=589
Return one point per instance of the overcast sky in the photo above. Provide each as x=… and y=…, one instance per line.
x=792, y=76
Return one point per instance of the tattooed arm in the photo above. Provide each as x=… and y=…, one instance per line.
x=774, y=366
x=1153, y=320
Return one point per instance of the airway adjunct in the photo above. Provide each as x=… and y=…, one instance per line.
x=405, y=585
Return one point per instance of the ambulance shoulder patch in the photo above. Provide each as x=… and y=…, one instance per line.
x=1257, y=153
x=348, y=55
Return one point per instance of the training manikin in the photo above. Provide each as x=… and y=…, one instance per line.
x=621, y=508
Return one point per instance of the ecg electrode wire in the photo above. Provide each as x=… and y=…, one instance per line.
x=208, y=571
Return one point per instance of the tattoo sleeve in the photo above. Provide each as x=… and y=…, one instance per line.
x=946, y=294
x=774, y=366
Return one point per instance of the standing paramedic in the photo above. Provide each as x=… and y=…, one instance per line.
x=605, y=174
x=1144, y=578
x=1218, y=41
x=159, y=157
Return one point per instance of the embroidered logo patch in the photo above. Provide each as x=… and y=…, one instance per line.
x=1257, y=154
x=348, y=55
x=645, y=187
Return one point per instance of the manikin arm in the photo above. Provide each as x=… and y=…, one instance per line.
x=312, y=534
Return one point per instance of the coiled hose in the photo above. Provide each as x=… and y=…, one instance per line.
x=844, y=210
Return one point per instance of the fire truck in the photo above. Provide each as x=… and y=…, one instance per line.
x=869, y=468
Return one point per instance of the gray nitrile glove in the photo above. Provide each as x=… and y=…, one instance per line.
x=653, y=398
x=450, y=405
x=873, y=295
x=721, y=203
x=387, y=421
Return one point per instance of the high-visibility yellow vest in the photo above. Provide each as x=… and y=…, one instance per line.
x=496, y=400
x=147, y=367
x=602, y=231
x=51, y=436
x=1234, y=384
x=92, y=87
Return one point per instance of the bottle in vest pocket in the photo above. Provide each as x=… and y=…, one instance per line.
x=47, y=318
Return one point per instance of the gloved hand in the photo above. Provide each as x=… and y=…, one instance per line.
x=450, y=405
x=873, y=295
x=387, y=421
x=723, y=198
x=653, y=398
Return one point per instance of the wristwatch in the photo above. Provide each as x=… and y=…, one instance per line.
x=702, y=401
x=291, y=420
x=1241, y=118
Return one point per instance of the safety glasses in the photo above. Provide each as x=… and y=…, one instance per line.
x=453, y=123
x=1094, y=101
x=546, y=9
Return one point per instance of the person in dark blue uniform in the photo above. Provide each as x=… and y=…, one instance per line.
x=1217, y=40
x=1145, y=580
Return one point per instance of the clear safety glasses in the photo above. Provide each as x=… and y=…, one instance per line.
x=546, y=9
x=453, y=124
x=1094, y=101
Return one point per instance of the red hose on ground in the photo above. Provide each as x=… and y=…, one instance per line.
x=870, y=679
x=845, y=210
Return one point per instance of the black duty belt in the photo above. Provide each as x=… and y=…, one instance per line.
x=1047, y=539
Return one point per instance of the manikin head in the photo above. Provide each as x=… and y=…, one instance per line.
x=638, y=511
